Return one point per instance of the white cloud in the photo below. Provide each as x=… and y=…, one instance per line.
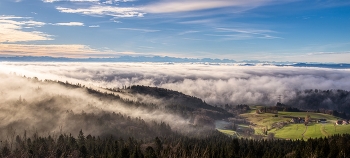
x=243, y=34
x=187, y=32
x=141, y=30
x=194, y=5
x=3, y=17
x=11, y=30
x=94, y=26
x=70, y=24
x=97, y=10
x=248, y=31
x=64, y=50
x=116, y=1
x=77, y=51
x=327, y=53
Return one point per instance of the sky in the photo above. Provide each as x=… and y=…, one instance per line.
x=265, y=30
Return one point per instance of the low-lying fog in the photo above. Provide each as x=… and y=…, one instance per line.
x=216, y=84
x=27, y=104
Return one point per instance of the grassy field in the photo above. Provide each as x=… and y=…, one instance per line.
x=312, y=115
x=292, y=131
x=295, y=131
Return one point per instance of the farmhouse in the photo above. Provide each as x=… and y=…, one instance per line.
x=297, y=120
x=339, y=122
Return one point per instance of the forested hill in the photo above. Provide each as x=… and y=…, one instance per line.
x=192, y=109
x=178, y=99
x=51, y=106
x=336, y=100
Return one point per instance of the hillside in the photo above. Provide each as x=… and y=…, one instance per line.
x=51, y=106
x=280, y=125
x=336, y=102
x=177, y=101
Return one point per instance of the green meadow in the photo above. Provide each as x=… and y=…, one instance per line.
x=261, y=122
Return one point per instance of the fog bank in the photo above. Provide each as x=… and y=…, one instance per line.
x=216, y=84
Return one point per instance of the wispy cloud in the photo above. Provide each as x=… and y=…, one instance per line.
x=243, y=34
x=248, y=31
x=140, y=30
x=65, y=50
x=187, y=32
x=6, y=17
x=205, y=21
x=70, y=24
x=94, y=26
x=195, y=5
x=102, y=10
x=116, y=1
x=327, y=53
x=46, y=50
x=12, y=30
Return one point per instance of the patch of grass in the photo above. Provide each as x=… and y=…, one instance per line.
x=296, y=131
x=291, y=131
x=263, y=120
x=312, y=115
x=244, y=126
x=337, y=129
x=314, y=131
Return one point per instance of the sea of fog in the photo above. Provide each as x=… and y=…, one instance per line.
x=216, y=84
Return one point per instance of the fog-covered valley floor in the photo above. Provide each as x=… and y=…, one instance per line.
x=143, y=101
x=28, y=101
x=215, y=84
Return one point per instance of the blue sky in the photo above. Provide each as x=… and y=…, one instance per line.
x=266, y=30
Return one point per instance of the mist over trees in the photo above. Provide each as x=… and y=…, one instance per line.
x=51, y=107
x=139, y=115
x=333, y=102
x=215, y=84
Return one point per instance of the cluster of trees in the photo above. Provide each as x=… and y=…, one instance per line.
x=175, y=97
x=335, y=102
x=117, y=124
x=181, y=104
x=214, y=144
x=237, y=109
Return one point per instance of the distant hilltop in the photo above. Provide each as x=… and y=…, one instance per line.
x=170, y=60
x=113, y=59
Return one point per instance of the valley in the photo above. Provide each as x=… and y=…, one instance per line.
x=281, y=125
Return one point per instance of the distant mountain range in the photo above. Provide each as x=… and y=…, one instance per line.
x=170, y=60
x=115, y=59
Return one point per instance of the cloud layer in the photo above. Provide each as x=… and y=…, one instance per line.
x=194, y=5
x=101, y=10
x=12, y=30
x=216, y=84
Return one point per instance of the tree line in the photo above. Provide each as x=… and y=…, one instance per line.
x=213, y=144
